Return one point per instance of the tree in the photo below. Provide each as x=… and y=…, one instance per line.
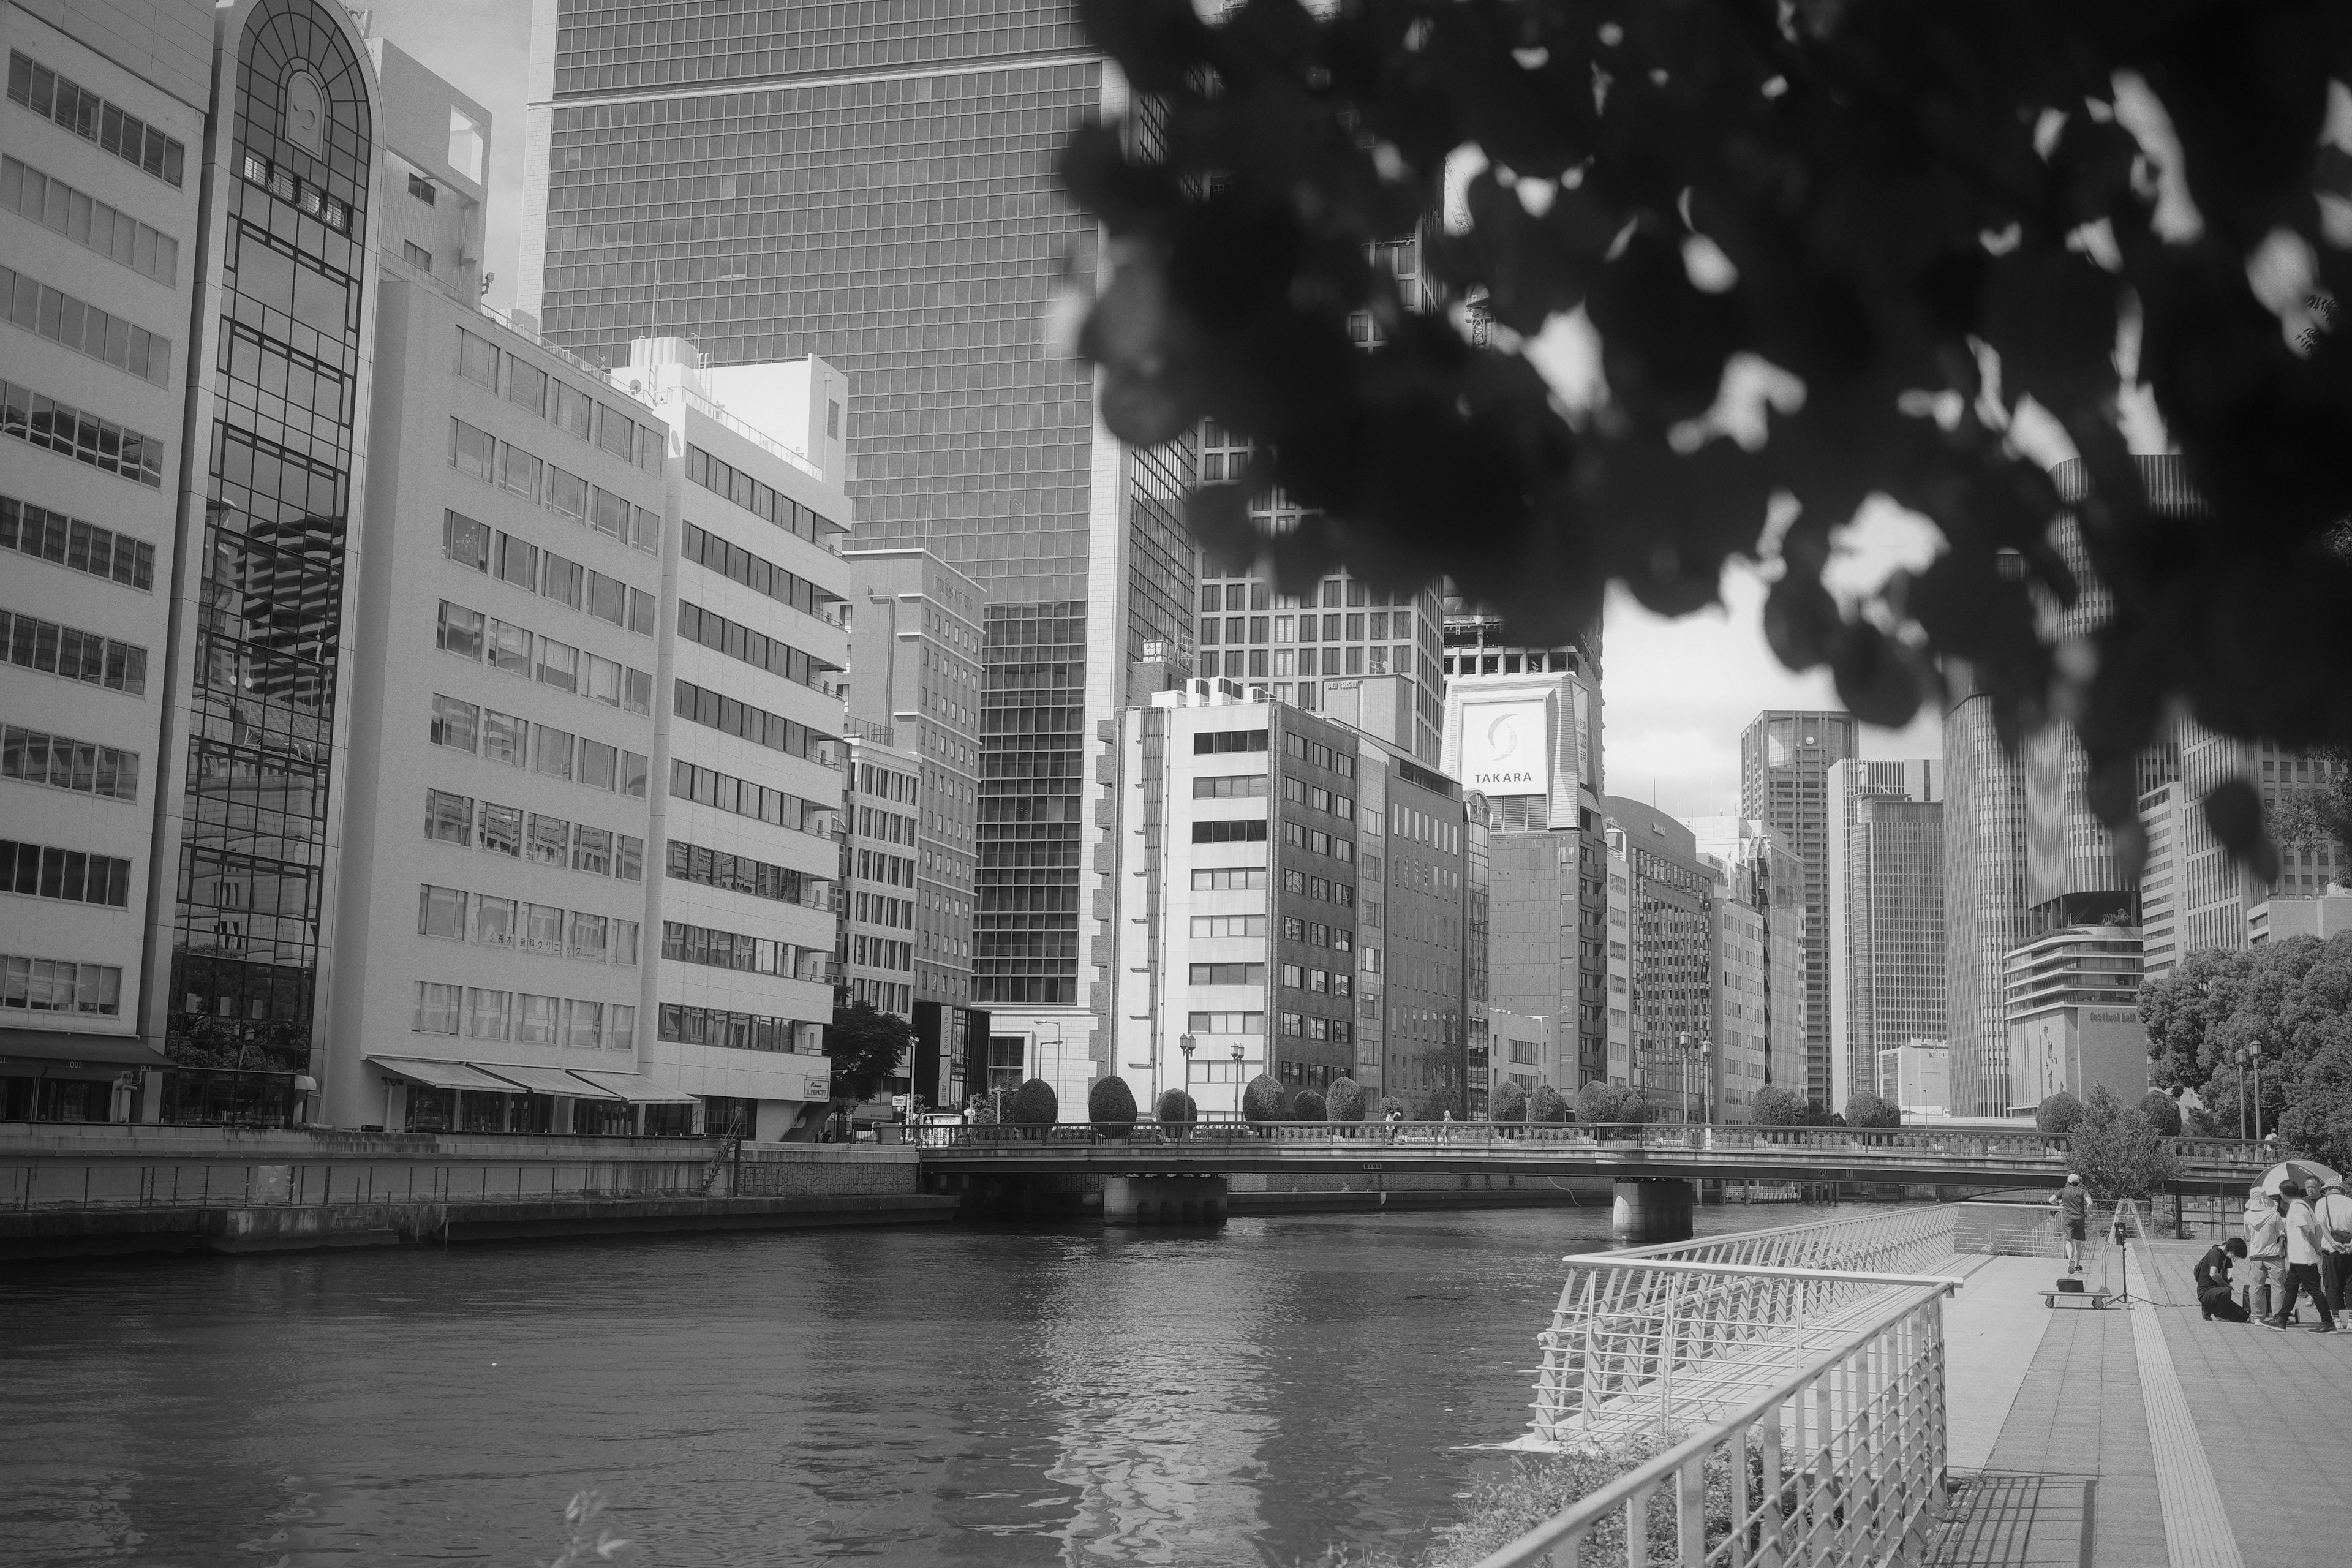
x=1866, y=251
x=2115, y=1149
x=1264, y=1100
x=2320, y=815
x=1347, y=1101
x=1307, y=1107
x=1430, y=1104
x=1774, y=1106
x=1391, y=1102
x=1033, y=1105
x=1111, y=1104
x=1547, y=1105
x=1863, y=1108
x=2163, y=1113
x=1175, y=1109
x=1607, y=1104
x=865, y=1046
x=2293, y=999
x=1508, y=1102
x=2059, y=1112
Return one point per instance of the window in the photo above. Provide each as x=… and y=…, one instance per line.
x=1229, y=879
x=551, y=752
x=592, y=849
x=509, y=648
x=84, y=328
x=1231, y=788
x=559, y=665
x=629, y=859
x=1228, y=925
x=489, y=1014
x=449, y=818
x=60, y=985
x=460, y=631
x=441, y=912
x=466, y=541
x=72, y=876
x=472, y=450
x=437, y=1008
x=601, y=681
x=561, y=580
x=83, y=113
x=1210, y=742
x=79, y=546
x=526, y=384
x=1225, y=1023
x=82, y=766
x=625, y=942
x=454, y=723
x=518, y=563
x=502, y=829
x=534, y=1019
x=1294, y=976
x=89, y=223
x=494, y=921
x=1291, y=1025
x=504, y=738
x=477, y=360
x=1252, y=832
x=549, y=841
x=518, y=472
x=417, y=256
x=583, y=1024
x=1229, y=975
x=587, y=938
x=542, y=930
x=421, y=188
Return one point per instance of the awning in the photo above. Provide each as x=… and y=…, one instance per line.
x=442, y=1074
x=68, y=1049
x=635, y=1088
x=545, y=1080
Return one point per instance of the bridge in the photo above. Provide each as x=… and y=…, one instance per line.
x=1149, y=1172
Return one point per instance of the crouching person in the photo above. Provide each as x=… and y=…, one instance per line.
x=2214, y=1282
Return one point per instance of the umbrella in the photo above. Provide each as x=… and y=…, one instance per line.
x=2306, y=1172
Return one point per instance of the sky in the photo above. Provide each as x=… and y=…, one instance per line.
x=1674, y=694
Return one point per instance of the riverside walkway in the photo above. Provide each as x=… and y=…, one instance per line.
x=2140, y=1435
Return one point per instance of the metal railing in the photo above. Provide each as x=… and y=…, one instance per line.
x=1837, y=1461
x=1663, y=1335
x=123, y=1185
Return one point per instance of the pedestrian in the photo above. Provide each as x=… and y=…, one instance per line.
x=2266, y=1246
x=2302, y=1261
x=2214, y=1282
x=2333, y=1212
x=2073, y=1205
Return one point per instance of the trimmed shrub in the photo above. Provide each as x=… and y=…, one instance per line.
x=2163, y=1113
x=1347, y=1101
x=1309, y=1107
x=1431, y=1105
x=1508, y=1103
x=1033, y=1105
x=1547, y=1105
x=1611, y=1103
x=1111, y=1104
x=1263, y=1101
x=1175, y=1109
x=1776, y=1107
x=1391, y=1102
x=2060, y=1112
x=1863, y=1108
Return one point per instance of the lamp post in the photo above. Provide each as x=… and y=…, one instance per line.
x=1237, y=1080
x=1688, y=1051
x=1188, y=1044
x=2239, y=1058
x=2254, y=1050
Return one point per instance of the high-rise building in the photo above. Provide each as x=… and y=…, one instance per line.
x=1916, y=1077
x=102, y=210
x=1670, y=954
x=2197, y=899
x=1886, y=915
x=1984, y=897
x=916, y=632
x=880, y=885
x=1784, y=762
x=2072, y=1001
x=1763, y=875
x=1291, y=898
x=2164, y=813
x=881, y=192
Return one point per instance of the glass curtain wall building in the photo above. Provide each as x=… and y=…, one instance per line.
x=779, y=179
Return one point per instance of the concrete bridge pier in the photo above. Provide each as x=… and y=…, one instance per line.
x=1652, y=1211
x=1163, y=1200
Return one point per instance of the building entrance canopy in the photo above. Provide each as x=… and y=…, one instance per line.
x=546, y=1080
x=442, y=1074
x=635, y=1088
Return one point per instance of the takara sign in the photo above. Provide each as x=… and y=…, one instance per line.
x=1505, y=748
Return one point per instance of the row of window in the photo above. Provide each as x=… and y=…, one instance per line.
x=1228, y=974
x=475, y=451
x=504, y=645
x=1314, y=840
x=1323, y=888
x=1316, y=798
x=880, y=910
x=1250, y=594
x=685, y=943
x=89, y=223
x=1338, y=1031
x=546, y=573
x=1315, y=753
x=562, y=404
x=1353, y=628
x=1252, y=831
x=1317, y=934
x=724, y=479
x=305, y=196
x=1229, y=879
x=82, y=766
x=887, y=826
x=734, y=717
x=743, y=798
x=60, y=985
x=1236, y=786
x=519, y=926
x=740, y=1031
x=1325, y=981
x=736, y=641
x=60, y=427
x=46, y=871
x=93, y=118
x=742, y=874
x=893, y=870
x=79, y=546
x=1225, y=1023
x=760, y=575
x=1228, y=925
x=1404, y=822
x=881, y=953
x=74, y=655
x=524, y=1018
x=868, y=779
x=504, y=739
x=54, y=314
x=1209, y=743
x=535, y=836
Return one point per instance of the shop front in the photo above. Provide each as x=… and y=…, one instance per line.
x=52, y=1075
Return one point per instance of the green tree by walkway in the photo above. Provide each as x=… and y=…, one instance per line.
x=2116, y=1151
x=866, y=1047
x=2293, y=997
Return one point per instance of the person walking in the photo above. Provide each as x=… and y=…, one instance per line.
x=2302, y=1261
x=2333, y=1212
x=2266, y=1246
x=2214, y=1282
x=2073, y=1205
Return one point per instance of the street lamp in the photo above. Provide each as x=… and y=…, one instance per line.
x=1188, y=1044
x=1687, y=1051
x=2254, y=1050
x=1237, y=1080
x=2239, y=1057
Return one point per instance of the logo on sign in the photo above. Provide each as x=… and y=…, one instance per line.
x=1503, y=748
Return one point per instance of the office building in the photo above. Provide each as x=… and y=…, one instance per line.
x=1740, y=1028
x=2072, y=1002
x=2165, y=813
x=916, y=627
x=1886, y=915
x=1784, y=762
x=1671, y=948
x=2328, y=915
x=1984, y=896
x=881, y=193
x=879, y=887
x=1523, y=1054
x=1759, y=872
x=101, y=192
x=1916, y=1077
x=1291, y=898
x=1617, y=860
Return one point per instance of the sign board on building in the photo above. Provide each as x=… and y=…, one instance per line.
x=1506, y=747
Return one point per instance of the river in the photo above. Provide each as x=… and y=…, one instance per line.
x=1257, y=1394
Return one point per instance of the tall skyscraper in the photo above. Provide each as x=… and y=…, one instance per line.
x=1765, y=876
x=1886, y=916
x=1670, y=942
x=1784, y=763
x=1984, y=898
x=880, y=192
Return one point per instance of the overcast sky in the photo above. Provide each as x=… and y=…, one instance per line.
x=1675, y=695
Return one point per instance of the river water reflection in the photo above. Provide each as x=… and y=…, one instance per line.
x=1253, y=1395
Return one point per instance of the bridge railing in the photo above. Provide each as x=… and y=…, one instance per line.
x=1685, y=1331
x=1836, y=1460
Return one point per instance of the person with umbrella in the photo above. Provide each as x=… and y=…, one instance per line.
x=2302, y=1258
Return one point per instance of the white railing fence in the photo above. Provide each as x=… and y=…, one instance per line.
x=1839, y=1460
x=1665, y=1336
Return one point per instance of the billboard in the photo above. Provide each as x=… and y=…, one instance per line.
x=1506, y=747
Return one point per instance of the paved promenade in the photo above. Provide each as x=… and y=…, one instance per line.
x=2140, y=1435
